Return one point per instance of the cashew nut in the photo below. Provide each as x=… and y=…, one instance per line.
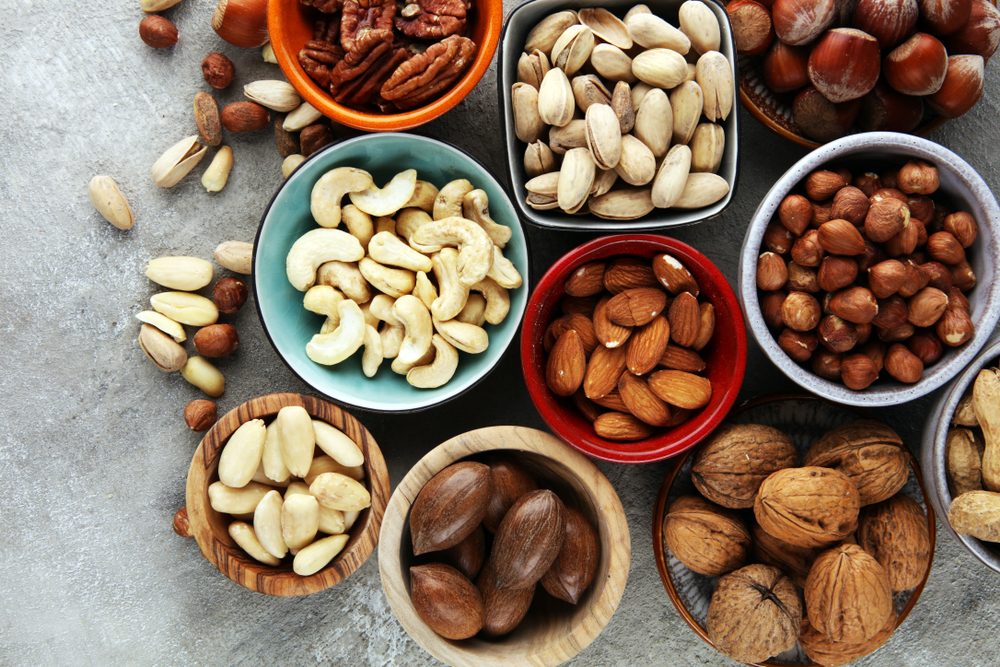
x=346, y=277
x=371, y=358
x=466, y=337
x=504, y=272
x=323, y=300
x=448, y=202
x=332, y=348
x=474, y=311
x=476, y=207
x=386, y=248
x=331, y=188
x=409, y=220
x=381, y=309
x=330, y=324
x=315, y=248
x=394, y=282
x=389, y=199
x=475, y=249
x=366, y=309
x=497, y=300
x=392, y=338
x=358, y=223
x=423, y=196
x=403, y=369
x=425, y=290
x=416, y=321
x=452, y=294
x=439, y=371
x=385, y=223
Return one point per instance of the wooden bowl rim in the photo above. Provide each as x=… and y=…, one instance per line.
x=519, y=439
x=231, y=560
x=664, y=494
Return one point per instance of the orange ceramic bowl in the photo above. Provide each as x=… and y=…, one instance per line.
x=290, y=27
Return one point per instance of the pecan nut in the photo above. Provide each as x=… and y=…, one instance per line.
x=325, y=6
x=357, y=78
x=327, y=29
x=432, y=19
x=361, y=16
x=318, y=59
x=426, y=75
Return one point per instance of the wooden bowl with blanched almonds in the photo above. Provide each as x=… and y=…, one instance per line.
x=210, y=528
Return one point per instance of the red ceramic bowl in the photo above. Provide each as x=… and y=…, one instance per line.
x=725, y=355
x=290, y=27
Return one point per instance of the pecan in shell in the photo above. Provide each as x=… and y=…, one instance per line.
x=361, y=16
x=318, y=60
x=357, y=78
x=426, y=75
x=432, y=19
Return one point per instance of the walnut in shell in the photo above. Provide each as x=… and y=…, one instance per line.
x=730, y=467
x=792, y=560
x=847, y=592
x=824, y=651
x=867, y=451
x=895, y=533
x=704, y=537
x=808, y=507
x=755, y=613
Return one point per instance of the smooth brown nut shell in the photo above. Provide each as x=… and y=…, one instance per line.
x=729, y=468
x=704, y=537
x=446, y=600
x=509, y=482
x=450, y=506
x=576, y=565
x=468, y=555
x=529, y=539
x=504, y=608
x=870, y=453
x=808, y=506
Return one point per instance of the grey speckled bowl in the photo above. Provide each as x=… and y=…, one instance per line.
x=932, y=455
x=960, y=183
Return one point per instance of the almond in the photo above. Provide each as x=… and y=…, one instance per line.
x=586, y=280
x=606, y=365
x=528, y=540
x=576, y=565
x=566, y=364
x=610, y=335
x=685, y=319
x=646, y=346
x=672, y=275
x=244, y=117
x=685, y=390
x=621, y=426
x=636, y=306
x=641, y=401
x=504, y=608
x=628, y=273
x=587, y=408
x=450, y=506
x=446, y=600
x=510, y=482
x=583, y=325
x=706, y=329
x=612, y=401
x=681, y=359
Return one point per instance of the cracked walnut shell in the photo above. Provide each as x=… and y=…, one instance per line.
x=847, y=593
x=808, y=507
x=706, y=539
x=730, y=467
x=870, y=453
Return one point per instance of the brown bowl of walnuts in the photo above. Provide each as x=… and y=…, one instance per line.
x=798, y=533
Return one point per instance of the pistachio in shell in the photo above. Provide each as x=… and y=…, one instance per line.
x=450, y=506
x=895, y=533
x=807, y=507
x=529, y=539
x=847, y=594
x=731, y=466
x=576, y=565
x=704, y=537
x=446, y=600
x=870, y=453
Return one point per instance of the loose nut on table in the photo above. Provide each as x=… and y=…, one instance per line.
x=274, y=94
x=177, y=162
x=158, y=31
x=237, y=256
x=188, y=274
x=217, y=174
x=217, y=69
x=110, y=202
x=207, y=119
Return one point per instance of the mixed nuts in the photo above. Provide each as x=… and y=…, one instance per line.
x=415, y=278
x=489, y=538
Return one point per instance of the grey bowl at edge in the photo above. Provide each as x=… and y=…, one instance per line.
x=934, y=448
x=967, y=190
x=520, y=21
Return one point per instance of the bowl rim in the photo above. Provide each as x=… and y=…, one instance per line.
x=590, y=223
x=877, y=395
x=232, y=561
x=516, y=439
x=664, y=494
x=377, y=122
x=934, y=452
x=426, y=404
x=593, y=445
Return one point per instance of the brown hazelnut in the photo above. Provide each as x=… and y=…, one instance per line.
x=314, y=137
x=777, y=239
x=886, y=218
x=981, y=33
x=839, y=237
x=752, y=26
x=836, y=334
x=963, y=277
x=957, y=298
x=888, y=178
x=857, y=371
x=244, y=116
x=786, y=68
x=854, y=304
x=885, y=278
x=902, y=364
x=885, y=110
x=802, y=279
x=962, y=87
x=795, y=213
x=874, y=350
x=945, y=248
x=872, y=255
x=229, y=294
x=955, y=326
x=962, y=226
x=937, y=274
x=918, y=178
x=917, y=66
x=868, y=183
x=891, y=313
x=826, y=364
x=218, y=70
x=798, y=345
x=900, y=333
x=945, y=16
x=799, y=22
x=807, y=251
x=770, y=308
x=889, y=193
x=864, y=332
x=824, y=184
x=926, y=307
x=821, y=214
x=158, y=31
x=921, y=208
x=836, y=273
x=200, y=414
x=905, y=242
x=915, y=280
x=926, y=346
x=800, y=311
x=850, y=204
x=216, y=340
x=772, y=273
x=845, y=64
x=888, y=21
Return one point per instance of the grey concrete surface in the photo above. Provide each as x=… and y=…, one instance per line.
x=94, y=450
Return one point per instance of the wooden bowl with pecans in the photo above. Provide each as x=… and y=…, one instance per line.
x=458, y=608
x=212, y=529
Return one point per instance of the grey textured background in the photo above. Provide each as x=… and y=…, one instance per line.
x=94, y=449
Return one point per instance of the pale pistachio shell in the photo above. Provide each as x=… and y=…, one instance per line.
x=163, y=323
x=627, y=204
x=556, y=103
x=165, y=353
x=316, y=556
x=636, y=9
x=671, y=177
x=541, y=202
x=571, y=135
x=576, y=178
x=700, y=25
x=267, y=54
x=273, y=93
x=180, y=272
x=604, y=137
x=715, y=76
x=110, y=202
x=651, y=31
x=531, y=68
x=654, y=124
x=612, y=63
x=692, y=72
x=662, y=68
x=241, y=454
x=589, y=89
x=686, y=102
x=528, y=125
x=544, y=184
x=572, y=50
x=707, y=147
x=621, y=102
x=607, y=26
x=702, y=190
x=177, y=162
x=303, y=115
x=544, y=35
x=538, y=159
x=637, y=165
x=639, y=91
x=603, y=182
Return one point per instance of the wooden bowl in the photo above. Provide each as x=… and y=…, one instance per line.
x=804, y=418
x=553, y=631
x=209, y=528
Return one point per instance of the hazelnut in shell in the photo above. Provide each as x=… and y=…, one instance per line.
x=798, y=22
x=752, y=27
x=820, y=119
x=845, y=64
x=158, y=31
x=945, y=16
x=917, y=66
x=888, y=21
x=705, y=538
x=786, y=68
x=729, y=468
x=808, y=507
x=962, y=87
x=869, y=453
x=981, y=33
x=895, y=533
x=242, y=23
x=216, y=340
x=847, y=594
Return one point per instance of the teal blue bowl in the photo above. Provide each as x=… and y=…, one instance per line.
x=289, y=326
